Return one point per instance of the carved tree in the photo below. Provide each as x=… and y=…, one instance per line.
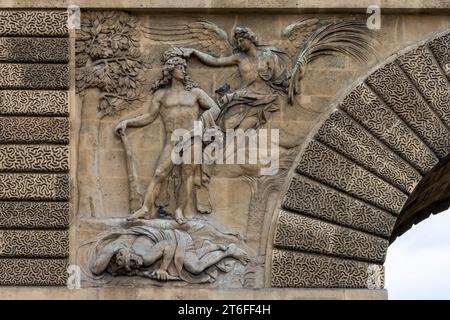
x=108, y=57
x=109, y=76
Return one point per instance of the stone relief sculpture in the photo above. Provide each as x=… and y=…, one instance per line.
x=265, y=72
x=148, y=244
x=178, y=100
x=163, y=252
x=108, y=57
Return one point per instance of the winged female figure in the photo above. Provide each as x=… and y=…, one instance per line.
x=266, y=73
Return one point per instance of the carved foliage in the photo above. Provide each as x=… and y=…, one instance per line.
x=108, y=57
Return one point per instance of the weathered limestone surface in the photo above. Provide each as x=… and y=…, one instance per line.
x=310, y=197
x=353, y=153
x=298, y=232
x=34, y=102
x=331, y=168
x=395, y=122
x=34, y=49
x=34, y=215
x=315, y=271
x=34, y=150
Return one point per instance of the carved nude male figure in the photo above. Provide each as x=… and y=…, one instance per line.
x=179, y=102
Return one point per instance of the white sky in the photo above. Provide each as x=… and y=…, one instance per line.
x=418, y=262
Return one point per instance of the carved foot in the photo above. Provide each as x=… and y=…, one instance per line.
x=235, y=252
x=138, y=214
x=179, y=217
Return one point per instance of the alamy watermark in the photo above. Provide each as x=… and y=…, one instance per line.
x=74, y=278
x=74, y=17
x=375, y=276
x=374, y=20
x=212, y=146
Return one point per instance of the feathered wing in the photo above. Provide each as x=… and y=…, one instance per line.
x=202, y=35
x=298, y=32
x=348, y=37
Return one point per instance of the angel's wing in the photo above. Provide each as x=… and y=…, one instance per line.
x=297, y=32
x=202, y=35
x=352, y=38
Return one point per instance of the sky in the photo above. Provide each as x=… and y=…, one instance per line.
x=418, y=262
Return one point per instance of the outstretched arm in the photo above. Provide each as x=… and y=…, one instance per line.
x=143, y=119
x=216, y=62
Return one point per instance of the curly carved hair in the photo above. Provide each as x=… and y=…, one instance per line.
x=243, y=32
x=172, y=58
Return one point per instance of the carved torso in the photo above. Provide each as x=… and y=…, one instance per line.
x=179, y=109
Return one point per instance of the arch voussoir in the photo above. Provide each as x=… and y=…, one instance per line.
x=357, y=171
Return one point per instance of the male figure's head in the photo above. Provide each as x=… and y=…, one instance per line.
x=174, y=67
x=128, y=260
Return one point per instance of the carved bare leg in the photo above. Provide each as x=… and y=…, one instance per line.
x=208, y=247
x=235, y=252
x=185, y=192
x=162, y=171
x=195, y=265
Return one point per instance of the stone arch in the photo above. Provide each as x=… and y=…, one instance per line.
x=362, y=164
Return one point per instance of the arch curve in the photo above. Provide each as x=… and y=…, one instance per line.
x=354, y=175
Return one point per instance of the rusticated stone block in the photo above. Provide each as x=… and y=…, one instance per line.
x=34, y=243
x=33, y=272
x=34, y=102
x=34, y=158
x=366, y=108
x=35, y=186
x=310, y=197
x=391, y=84
x=343, y=134
x=298, y=232
x=293, y=269
x=34, y=49
x=36, y=23
x=441, y=50
x=34, y=130
x=323, y=164
x=34, y=76
x=39, y=215
x=420, y=66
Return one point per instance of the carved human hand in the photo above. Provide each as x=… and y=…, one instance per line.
x=120, y=128
x=187, y=52
x=161, y=275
